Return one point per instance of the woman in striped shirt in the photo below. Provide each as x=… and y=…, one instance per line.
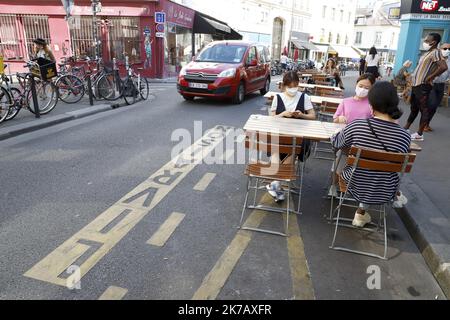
x=383, y=133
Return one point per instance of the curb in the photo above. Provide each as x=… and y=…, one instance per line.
x=429, y=228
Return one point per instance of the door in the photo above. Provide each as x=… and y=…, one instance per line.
x=252, y=71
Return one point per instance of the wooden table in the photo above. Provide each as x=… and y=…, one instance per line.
x=314, y=99
x=313, y=130
x=313, y=86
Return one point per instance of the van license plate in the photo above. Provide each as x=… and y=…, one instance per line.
x=198, y=85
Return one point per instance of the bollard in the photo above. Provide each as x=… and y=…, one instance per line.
x=89, y=84
x=37, y=113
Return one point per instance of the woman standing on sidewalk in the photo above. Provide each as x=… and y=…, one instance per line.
x=373, y=61
x=331, y=69
x=42, y=50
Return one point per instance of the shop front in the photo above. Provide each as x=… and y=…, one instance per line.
x=419, y=18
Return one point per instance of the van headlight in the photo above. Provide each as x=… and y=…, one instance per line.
x=183, y=72
x=229, y=73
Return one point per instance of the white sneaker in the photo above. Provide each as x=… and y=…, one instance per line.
x=417, y=137
x=400, y=201
x=361, y=220
x=275, y=191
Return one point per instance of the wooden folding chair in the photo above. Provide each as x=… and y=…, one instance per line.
x=263, y=172
x=325, y=113
x=374, y=161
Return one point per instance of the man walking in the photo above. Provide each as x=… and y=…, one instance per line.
x=438, y=91
x=431, y=65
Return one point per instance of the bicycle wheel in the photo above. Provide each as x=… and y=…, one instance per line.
x=130, y=92
x=144, y=89
x=70, y=88
x=5, y=103
x=110, y=87
x=47, y=97
x=17, y=104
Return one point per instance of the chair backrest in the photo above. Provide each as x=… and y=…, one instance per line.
x=381, y=161
x=272, y=143
x=324, y=92
x=329, y=107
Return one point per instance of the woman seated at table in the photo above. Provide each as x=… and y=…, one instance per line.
x=291, y=103
x=382, y=132
x=356, y=107
x=332, y=70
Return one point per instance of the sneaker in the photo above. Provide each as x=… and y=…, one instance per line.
x=400, y=201
x=361, y=220
x=275, y=191
x=417, y=137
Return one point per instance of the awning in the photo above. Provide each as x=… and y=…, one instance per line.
x=321, y=47
x=346, y=52
x=205, y=24
x=304, y=45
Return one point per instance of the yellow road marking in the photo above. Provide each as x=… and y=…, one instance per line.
x=204, y=182
x=127, y=213
x=301, y=279
x=113, y=293
x=166, y=229
x=216, y=278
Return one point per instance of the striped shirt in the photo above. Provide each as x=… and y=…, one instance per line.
x=372, y=187
x=426, y=66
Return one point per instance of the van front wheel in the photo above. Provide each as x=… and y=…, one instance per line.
x=240, y=94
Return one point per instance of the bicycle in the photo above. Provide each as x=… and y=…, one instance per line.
x=46, y=94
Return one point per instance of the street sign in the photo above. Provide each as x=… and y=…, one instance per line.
x=147, y=31
x=160, y=28
x=160, y=34
x=160, y=17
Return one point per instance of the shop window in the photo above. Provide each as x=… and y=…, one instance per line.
x=124, y=38
x=178, y=48
x=10, y=44
x=35, y=26
x=82, y=36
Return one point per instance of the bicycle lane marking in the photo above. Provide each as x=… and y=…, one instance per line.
x=124, y=215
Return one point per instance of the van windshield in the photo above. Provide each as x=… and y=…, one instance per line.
x=222, y=53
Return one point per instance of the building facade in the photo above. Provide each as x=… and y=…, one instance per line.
x=378, y=26
x=275, y=23
x=122, y=28
x=418, y=18
x=332, y=29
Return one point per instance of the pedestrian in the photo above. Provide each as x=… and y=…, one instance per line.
x=431, y=65
x=356, y=107
x=382, y=133
x=401, y=78
x=291, y=103
x=283, y=62
x=362, y=66
x=331, y=69
x=438, y=91
x=41, y=49
x=373, y=61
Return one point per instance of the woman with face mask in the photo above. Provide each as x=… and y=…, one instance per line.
x=356, y=107
x=290, y=104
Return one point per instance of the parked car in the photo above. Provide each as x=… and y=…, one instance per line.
x=226, y=69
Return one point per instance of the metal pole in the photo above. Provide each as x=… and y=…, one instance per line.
x=94, y=27
x=89, y=84
x=37, y=112
x=292, y=26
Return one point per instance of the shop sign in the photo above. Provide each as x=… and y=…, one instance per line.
x=426, y=7
x=160, y=17
x=394, y=13
x=179, y=15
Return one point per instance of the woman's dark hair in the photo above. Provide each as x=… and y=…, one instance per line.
x=373, y=51
x=290, y=77
x=383, y=98
x=366, y=76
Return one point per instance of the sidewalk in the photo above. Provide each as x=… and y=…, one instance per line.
x=427, y=214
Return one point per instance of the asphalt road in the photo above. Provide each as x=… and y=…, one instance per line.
x=70, y=196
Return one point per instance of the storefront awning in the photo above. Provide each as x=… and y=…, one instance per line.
x=321, y=47
x=304, y=45
x=205, y=24
x=346, y=52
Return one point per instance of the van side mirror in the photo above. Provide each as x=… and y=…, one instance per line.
x=253, y=63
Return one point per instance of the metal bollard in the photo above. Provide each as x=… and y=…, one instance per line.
x=89, y=84
x=34, y=96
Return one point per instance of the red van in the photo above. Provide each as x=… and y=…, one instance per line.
x=226, y=69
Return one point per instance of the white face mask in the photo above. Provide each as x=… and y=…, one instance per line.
x=445, y=53
x=361, y=92
x=426, y=46
x=292, y=91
